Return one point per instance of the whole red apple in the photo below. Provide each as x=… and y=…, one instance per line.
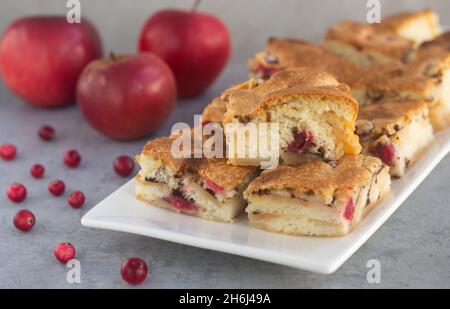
x=127, y=97
x=42, y=57
x=196, y=46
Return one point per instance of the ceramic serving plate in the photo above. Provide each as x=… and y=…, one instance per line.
x=122, y=212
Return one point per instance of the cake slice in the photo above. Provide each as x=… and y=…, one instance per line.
x=315, y=115
x=417, y=26
x=317, y=198
x=395, y=132
x=399, y=82
x=288, y=53
x=207, y=188
x=366, y=44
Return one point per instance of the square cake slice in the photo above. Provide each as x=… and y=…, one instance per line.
x=399, y=82
x=366, y=44
x=289, y=53
x=315, y=115
x=395, y=132
x=316, y=198
x=207, y=188
x=417, y=26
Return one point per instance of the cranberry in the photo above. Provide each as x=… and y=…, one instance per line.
x=349, y=210
x=72, y=158
x=302, y=142
x=64, y=252
x=76, y=199
x=265, y=72
x=16, y=192
x=205, y=122
x=24, y=220
x=47, y=133
x=8, y=152
x=37, y=171
x=134, y=270
x=56, y=187
x=179, y=202
x=386, y=153
x=123, y=165
x=214, y=187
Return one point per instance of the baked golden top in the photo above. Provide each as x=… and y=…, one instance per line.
x=393, y=77
x=436, y=49
x=367, y=37
x=302, y=83
x=215, y=169
x=399, y=21
x=390, y=117
x=319, y=179
x=288, y=53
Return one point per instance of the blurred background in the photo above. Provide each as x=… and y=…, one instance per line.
x=250, y=21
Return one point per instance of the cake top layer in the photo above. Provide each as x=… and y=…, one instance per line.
x=399, y=22
x=437, y=49
x=393, y=77
x=296, y=83
x=288, y=53
x=215, y=170
x=367, y=37
x=319, y=179
x=389, y=117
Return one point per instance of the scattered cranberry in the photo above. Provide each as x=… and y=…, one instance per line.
x=56, y=187
x=64, y=252
x=205, y=122
x=386, y=153
x=134, y=270
x=24, y=220
x=8, y=152
x=123, y=165
x=72, y=158
x=16, y=192
x=37, y=171
x=179, y=202
x=302, y=142
x=214, y=187
x=349, y=210
x=47, y=133
x=76, y=199
x=265, y=72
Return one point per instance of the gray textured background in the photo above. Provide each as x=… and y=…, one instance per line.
x=413, y=246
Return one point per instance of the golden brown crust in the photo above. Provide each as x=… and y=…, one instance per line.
x=295, y=82
x=437, y=49
x=319, y=178
x=399, y=21
x=392, y=77
x=215, y=169
x=367, y=38
x=290, y=53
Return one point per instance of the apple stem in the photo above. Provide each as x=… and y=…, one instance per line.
x=196, y=5
x=112, y=56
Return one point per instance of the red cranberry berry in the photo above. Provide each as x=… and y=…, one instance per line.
x=24, y=220
x=123, y=165
x=47, y=133
x=214, y=187
x=8, y=152
x=265, y=72
x=16, y=192
x=386, y=153
x=76, y=199
x=302, y=142
x=72, y=158
x=134, y=271
x=349, y=210
x=37, y=171
x=179, y=202
x=64, y=252
x=56, y=187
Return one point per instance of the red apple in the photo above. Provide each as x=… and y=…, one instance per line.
x=127, y=97
x=196, y=46
x=42, y=57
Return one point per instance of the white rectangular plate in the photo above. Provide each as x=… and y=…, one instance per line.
x=122, y=212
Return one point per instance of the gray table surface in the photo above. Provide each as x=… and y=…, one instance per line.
x=413, y=246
